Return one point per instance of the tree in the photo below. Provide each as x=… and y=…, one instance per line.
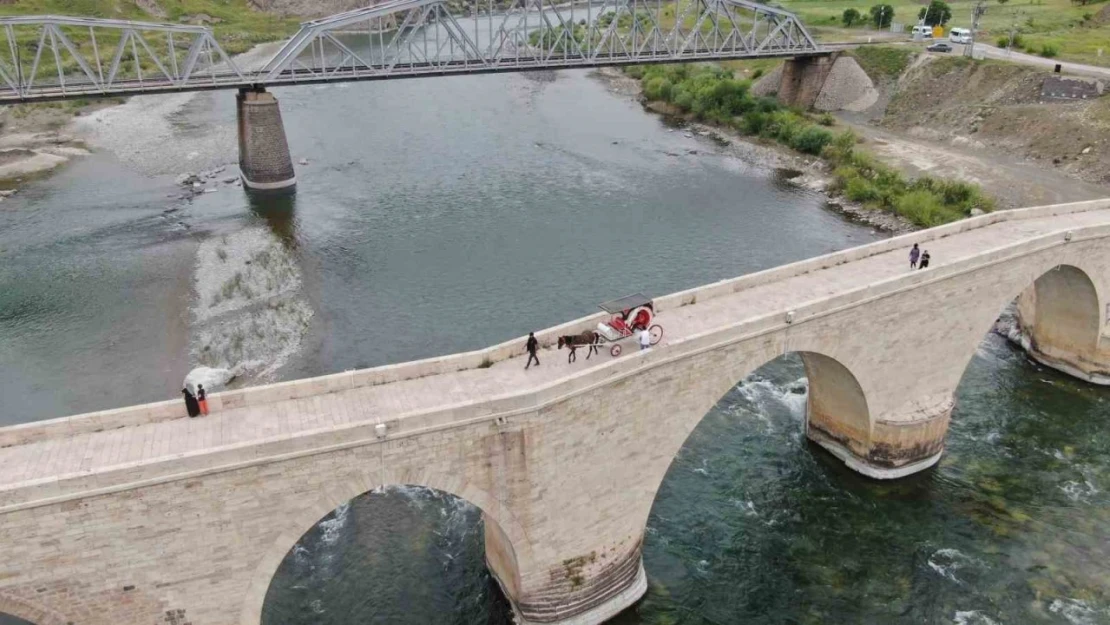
x=851, y=16
x=882, y=15
x=938, y=12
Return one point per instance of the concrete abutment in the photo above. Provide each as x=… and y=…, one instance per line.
x=803, y=78
x=264, y=160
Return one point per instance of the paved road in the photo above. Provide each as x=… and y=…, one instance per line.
x=68, y=455
x=993, y=52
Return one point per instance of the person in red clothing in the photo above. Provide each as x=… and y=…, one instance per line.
x=202, y=399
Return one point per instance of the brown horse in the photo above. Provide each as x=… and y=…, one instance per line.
x=574, y=341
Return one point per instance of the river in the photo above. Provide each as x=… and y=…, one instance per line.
x=439, y=215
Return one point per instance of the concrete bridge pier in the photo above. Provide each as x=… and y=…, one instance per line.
x=264, y=161
x=803, y=78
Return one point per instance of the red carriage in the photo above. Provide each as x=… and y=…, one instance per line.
x=630, y=314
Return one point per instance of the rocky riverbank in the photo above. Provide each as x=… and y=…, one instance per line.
x=803, y=171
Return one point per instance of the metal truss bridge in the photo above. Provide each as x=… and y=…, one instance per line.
x=58, y=58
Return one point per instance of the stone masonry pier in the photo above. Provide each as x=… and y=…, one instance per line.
x=138, y=515
x=264, y=160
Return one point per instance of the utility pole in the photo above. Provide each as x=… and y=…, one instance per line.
x=1013, y=30
x=976, y=12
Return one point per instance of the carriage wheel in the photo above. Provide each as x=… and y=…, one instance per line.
x=615, y=350
x=656, y=332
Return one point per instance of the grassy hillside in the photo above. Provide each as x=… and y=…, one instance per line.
x=237, y=26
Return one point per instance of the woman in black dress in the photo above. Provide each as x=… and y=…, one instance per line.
x=191, y=405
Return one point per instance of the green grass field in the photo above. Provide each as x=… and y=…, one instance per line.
x=239, y=29
x=1073, y=29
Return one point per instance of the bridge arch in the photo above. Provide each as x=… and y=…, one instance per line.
x=836, y=410
x=1058, y=320
x=27, y=611
x=1061, y=315
x=507, y=546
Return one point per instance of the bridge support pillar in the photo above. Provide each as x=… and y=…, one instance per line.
x=264, y=161
x=803, y=78
x=585, y=590
x=837, y=418
x=894, y=448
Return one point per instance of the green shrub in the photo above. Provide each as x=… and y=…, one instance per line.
x=658, y=88
x=924, y=209
x=812, y=140
x=859, y=190
x=713, y=94
x=754, y=123
x=758, y=73
x=1049, y=51
x=766, y=105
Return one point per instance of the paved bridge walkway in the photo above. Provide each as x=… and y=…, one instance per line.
x=61, y=453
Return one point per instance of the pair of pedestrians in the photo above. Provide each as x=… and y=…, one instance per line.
x=196, y=404
x=918, y=259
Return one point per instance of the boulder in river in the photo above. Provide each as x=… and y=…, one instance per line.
x=212, y=379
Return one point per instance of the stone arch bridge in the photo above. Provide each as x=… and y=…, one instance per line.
x=141, y=516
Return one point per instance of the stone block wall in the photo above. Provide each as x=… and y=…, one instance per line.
x=565, y=475
x=264, y=160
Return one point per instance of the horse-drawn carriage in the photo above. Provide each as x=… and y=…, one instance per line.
x=630, y=315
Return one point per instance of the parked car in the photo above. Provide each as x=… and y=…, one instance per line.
x=939, y=47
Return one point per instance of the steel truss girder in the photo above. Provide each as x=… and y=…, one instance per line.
x=425, y=36
x=102, y=56
x=56, y=58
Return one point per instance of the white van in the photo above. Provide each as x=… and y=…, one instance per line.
x=960, y=35
x=921, y=31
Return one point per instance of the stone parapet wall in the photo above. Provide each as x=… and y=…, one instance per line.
x=565, y=473
x=257, y=395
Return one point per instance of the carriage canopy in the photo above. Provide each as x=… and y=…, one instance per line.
x=628, y=302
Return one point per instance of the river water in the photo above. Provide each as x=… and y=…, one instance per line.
x=434, y=216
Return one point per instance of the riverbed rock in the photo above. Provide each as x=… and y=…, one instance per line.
x=212, y=379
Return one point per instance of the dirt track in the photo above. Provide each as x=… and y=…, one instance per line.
x=1014, y=182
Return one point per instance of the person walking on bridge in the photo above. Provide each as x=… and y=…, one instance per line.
x=924, y=259
x=915, y=253
x=532, y=346
x=645, y=339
